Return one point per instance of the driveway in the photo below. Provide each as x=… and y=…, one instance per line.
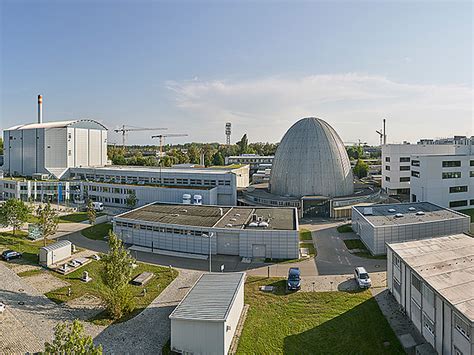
x=333, y=257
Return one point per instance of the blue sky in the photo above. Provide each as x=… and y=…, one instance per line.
x=193, y=65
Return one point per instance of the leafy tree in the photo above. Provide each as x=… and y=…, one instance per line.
x=355, y=152
x=14, y=213
x=131, y=200
x=47, y=220
x=1, y=146
x=70, y=339
x=361, y=169
x=193, y=154
x=116, y=275
x=218, y=159
x=243, y=144
x=91, y=212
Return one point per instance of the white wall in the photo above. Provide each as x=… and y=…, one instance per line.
x=197, y=337
x=233, y=317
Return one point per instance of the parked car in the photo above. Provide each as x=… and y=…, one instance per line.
x=294, y=279
x=98, y=206
x=362, y=277
x=2, y=307
x=11, y=254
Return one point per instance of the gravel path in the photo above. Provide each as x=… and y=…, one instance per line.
x=150, y=330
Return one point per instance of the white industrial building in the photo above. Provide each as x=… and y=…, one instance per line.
x=55, y=253
x=204, y=322
x=446, y=180
x=380, y=224
x=433, y=281
x=52, y=148
x=254, y=232
x=255, y=161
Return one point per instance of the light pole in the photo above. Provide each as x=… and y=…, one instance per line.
x=209, y=236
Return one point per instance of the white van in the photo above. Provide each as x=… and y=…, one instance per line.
x=362, y=277
x=98, y=206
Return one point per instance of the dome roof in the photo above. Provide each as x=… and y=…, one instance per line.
x=311, y=160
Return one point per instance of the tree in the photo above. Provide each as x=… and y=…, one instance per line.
x=47, y=220
x=131, y=200
x=14, y=213
x=361, y=169
x=70, y=339
x=243, y=144
x=116, y=275
x=91, y=213
x=218, y=159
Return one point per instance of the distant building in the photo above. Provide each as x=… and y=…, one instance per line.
x=205, y=321
x=380, y=224
x=433, y=281
x=446, y=180
x=243, y=231
x=255, y=161
x=53, y=147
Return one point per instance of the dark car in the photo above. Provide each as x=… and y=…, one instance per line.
x=10, y=255
x=294, y=279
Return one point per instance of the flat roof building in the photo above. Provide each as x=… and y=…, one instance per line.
x=245, y=231
x=204, y=322
x=380, y=224
x=433, y=280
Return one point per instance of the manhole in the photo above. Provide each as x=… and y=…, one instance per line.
x=21, y=290
x=21, y=303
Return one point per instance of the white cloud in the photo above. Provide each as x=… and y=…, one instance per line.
x=353, y=103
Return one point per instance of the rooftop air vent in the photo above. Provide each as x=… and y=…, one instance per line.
x=420, y=213
x=399, y=215
x=174, y=215
x=368, y=211
x=228, y=225
x=411, y=209
x=391, y=210
x=184, y=211
x=253, y=224
x=233, y=219
x=263, y=224
x=237, y=215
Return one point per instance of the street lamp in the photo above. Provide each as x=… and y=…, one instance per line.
x=209, y=236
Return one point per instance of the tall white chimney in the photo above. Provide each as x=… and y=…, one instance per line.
x=40, y=109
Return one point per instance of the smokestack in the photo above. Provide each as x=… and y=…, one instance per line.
x=40, y=109
x=384, y=133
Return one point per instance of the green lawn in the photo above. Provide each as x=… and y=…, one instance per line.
x=305, y=234
x=310, y=246
x=97, y=232
x=345, y=228
x=469, y=212
x=364, y=253
x=77, y=217
x=313, y=322
x=21, y=243
x=162, y=278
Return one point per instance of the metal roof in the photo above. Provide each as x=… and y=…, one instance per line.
x=446, y=264
x=56, y=124
x=183, y=170
x=59, y=244
x=381, y=216
x=211, y=297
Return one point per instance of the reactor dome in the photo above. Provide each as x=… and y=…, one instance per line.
x=311, y=160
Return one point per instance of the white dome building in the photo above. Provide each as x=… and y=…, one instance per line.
x=311, y=160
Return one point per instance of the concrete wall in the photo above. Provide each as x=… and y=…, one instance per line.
x=233, y=317
x=197, y=337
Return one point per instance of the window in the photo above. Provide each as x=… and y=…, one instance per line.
x=471, y=173
x=387, y=159
x=451, y=175
x=455, y=189
x=387, y=167
x=404, y=168
x=415, y=174
x=416, y=282
x=405, y=179
x=460, y=203
x=451, y=164
x=462, y=326
x=471, y=202
x=428, y=325
x=387, y=178
x=415, y=163
x=404, y=159
x=396, y=261
x=472, y=162
x=428, y=295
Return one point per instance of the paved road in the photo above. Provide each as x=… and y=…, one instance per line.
x=333, y=257
x=150, y=330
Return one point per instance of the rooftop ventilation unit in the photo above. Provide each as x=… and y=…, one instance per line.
x=263, y=224
x=411, y=209
x=399, y=215
x=237, y=215
x=253, y=224
x=391, y=210
x=229, y=225
x=420, y=213
x=184, y=211
x=368, y=211
x=233, y=219
x=174, y=215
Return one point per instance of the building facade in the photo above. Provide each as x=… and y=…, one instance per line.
x=243, y=231
x=446, y=180
x=255, y=161
x=433, y=281
x=378, y=225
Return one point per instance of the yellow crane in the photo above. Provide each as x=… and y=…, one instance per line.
x=125, y=129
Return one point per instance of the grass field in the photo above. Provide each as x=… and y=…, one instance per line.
x=97, y=232
x=163, y=276
x=365, y=253
x=305, y=235
x=76, y=217
x=345, y=228
x=21, y=243
x=313, y=323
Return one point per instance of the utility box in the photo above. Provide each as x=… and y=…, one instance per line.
x=55, y=253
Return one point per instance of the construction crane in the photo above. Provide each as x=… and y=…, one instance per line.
x=359, y=143
x=382, y=134
x=162, y=137
x=124, y=129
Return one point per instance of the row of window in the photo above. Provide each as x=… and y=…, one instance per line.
x=461, y=203
x=106, y=189
x=456, y=189
x=160, y=229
